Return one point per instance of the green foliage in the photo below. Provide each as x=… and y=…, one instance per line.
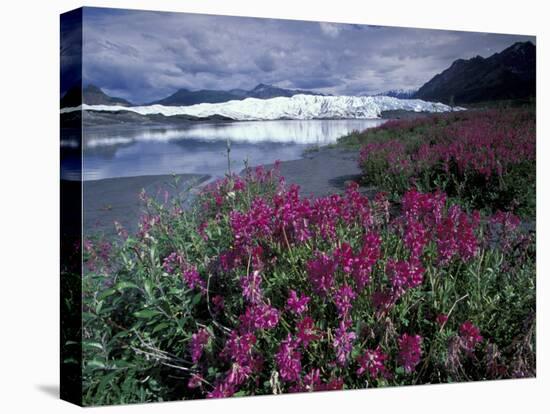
x=490, y=167
x=139, y=315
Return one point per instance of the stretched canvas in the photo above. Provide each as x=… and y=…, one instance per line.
x=256, y=206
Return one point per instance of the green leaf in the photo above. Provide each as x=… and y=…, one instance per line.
x=125, y=285
x=94, y=363
x=106, y=293
x=149, y=287
x=95, y=345
x=161, y=326
x=196, y=299
x=146, y=313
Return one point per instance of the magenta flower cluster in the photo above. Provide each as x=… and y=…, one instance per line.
x=175, y=262
x=410, y=351
x=425, y=220
x=484, y=143
x=469, y=336
x=288, y=359
x=373, y=362
x=297, y=304
x=339, y=277
x=198, y=341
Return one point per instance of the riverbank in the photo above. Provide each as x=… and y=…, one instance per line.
x=324, y=171
x=118, y=199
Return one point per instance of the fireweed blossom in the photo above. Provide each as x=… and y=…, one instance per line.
x=238, y=348
x=342, y=299
x=244, y=362
x=415, y=237
x=469, y=336
x=260, y=316
x=175, y=262
x=410, y=351
x=324, y=215
x=292, y=216
x=343, y=342
x=288, y=360
x=198, y=341
x=356, y=207
x=404, y=275
x=295, y=304
x=456, y=235
x=373, y=362
x=218, y=303
x=172, y=262
x=251, y=286
x=321, y=273
x=222, y=390
x=252, y=225
x=441, y=319
x=312, y=380
x=360, y=265
x=307, y=332
x=193, y=279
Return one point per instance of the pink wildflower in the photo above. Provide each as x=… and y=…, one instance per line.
x=222, y=390
x=469, y=336
x=410, y=351
x=288, y=360
x=198, y=342
x=372, y=361
x=343, y=342
x=259, y=317
x=441, y=319
x=251, y=286
x=404, y=275
x=307, y=332
x=295, y=304
x=193, y=279
x=321, y=273
x=342, y=299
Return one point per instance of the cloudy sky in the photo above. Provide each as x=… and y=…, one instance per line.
x=142, y=56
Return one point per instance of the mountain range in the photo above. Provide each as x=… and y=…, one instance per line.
x=93, y=95
x=399, y=93
x=510, y=74
x=185, y=97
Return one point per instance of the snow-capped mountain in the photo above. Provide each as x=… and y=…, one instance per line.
x=295, y=107
x=399, y=93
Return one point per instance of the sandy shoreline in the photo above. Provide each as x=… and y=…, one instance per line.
x=117, y=199
x=324, y=171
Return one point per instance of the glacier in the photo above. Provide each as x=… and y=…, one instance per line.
x=300, y=107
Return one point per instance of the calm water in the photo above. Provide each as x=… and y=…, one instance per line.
x=199, y=148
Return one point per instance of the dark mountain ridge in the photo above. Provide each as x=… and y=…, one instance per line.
x=91, y=95
x=510, y=74
x=184, y=97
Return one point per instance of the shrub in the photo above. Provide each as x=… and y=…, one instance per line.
x=259, y=291
x=484, y=159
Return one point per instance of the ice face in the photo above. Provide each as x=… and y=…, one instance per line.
x=295, y=107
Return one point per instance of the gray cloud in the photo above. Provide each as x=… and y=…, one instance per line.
x=143, y=56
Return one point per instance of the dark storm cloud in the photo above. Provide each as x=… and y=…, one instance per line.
x=143, y=55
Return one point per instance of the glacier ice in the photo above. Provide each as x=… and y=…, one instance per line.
x=295, y=107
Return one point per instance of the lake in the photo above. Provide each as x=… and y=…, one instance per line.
x=200, y=148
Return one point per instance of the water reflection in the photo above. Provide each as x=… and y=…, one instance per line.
x=201, y=148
